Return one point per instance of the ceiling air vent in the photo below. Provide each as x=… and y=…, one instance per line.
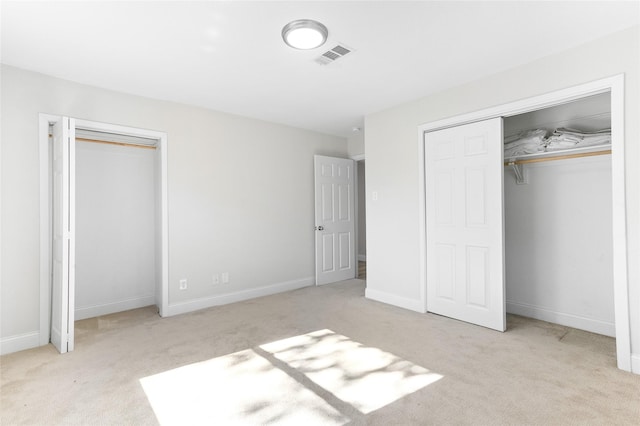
x=334, y=54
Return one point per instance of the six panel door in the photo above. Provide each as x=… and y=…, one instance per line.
x=335, y=221
x=465, y=232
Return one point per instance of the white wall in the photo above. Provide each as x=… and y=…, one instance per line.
x=115, y=228
x=559, y=243
x=355, y=144
x=240, y=194
x=393, y=222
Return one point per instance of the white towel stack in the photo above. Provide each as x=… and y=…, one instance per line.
x=568, y=138
x=535, y=141
x=528, y=142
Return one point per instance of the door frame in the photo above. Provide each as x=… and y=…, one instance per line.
x=356, y=194
x=614, y=85
x=162, y=292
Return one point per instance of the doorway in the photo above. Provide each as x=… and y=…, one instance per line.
x=59, y=207
x=361, y=220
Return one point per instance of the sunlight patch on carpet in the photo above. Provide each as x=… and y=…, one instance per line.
x=365, y=377
x=318, y=378
x=240, y=388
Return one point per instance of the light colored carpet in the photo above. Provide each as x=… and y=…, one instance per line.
x=319, y=355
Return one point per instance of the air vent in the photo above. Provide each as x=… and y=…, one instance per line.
x=334, y=54
x=331, y=55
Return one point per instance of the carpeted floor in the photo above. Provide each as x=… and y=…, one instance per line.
x=319, y=355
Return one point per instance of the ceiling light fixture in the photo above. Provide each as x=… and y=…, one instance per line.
x=304, y=34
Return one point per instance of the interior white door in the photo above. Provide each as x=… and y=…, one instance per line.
x=335, y=221
x=465, y=231
x=62, y=291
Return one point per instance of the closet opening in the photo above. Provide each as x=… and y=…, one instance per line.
x=558, y=215
x=555, y=212
x=116, y=223
x=103, y=211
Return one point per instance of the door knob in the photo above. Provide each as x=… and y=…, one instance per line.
x=320, y=228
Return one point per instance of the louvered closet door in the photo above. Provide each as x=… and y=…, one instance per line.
x=465, y=233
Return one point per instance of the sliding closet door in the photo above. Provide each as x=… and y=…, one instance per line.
x=62, y=292
x=465, y=232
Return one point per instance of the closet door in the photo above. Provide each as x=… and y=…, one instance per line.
x=465, y=232
x=63, y=246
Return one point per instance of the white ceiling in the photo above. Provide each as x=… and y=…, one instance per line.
x=229, y=56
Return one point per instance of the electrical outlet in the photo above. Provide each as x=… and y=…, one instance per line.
x=225, y=278
x=183, y=284
x=216, y=279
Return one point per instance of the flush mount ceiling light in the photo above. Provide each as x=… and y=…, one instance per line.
x=304, y=34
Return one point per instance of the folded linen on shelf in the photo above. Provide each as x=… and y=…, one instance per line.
x=563, y=138
x=527, y=142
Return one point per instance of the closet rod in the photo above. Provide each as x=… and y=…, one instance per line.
x=557, y=157
x=133, y=145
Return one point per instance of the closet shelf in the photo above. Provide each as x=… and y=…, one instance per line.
x=559, y=154
x=518, y=161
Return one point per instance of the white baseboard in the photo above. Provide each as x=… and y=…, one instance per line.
x=223, y=299
x=635, y=363
x=85, y=312
x=19, y=342
x=569, y=320
x=392, y=299
x=362, y=257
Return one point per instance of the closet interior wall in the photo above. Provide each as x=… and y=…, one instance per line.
x=558, y=226
x=116, y=228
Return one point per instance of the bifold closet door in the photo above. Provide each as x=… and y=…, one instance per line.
x=465, y=231
x=63, y=244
